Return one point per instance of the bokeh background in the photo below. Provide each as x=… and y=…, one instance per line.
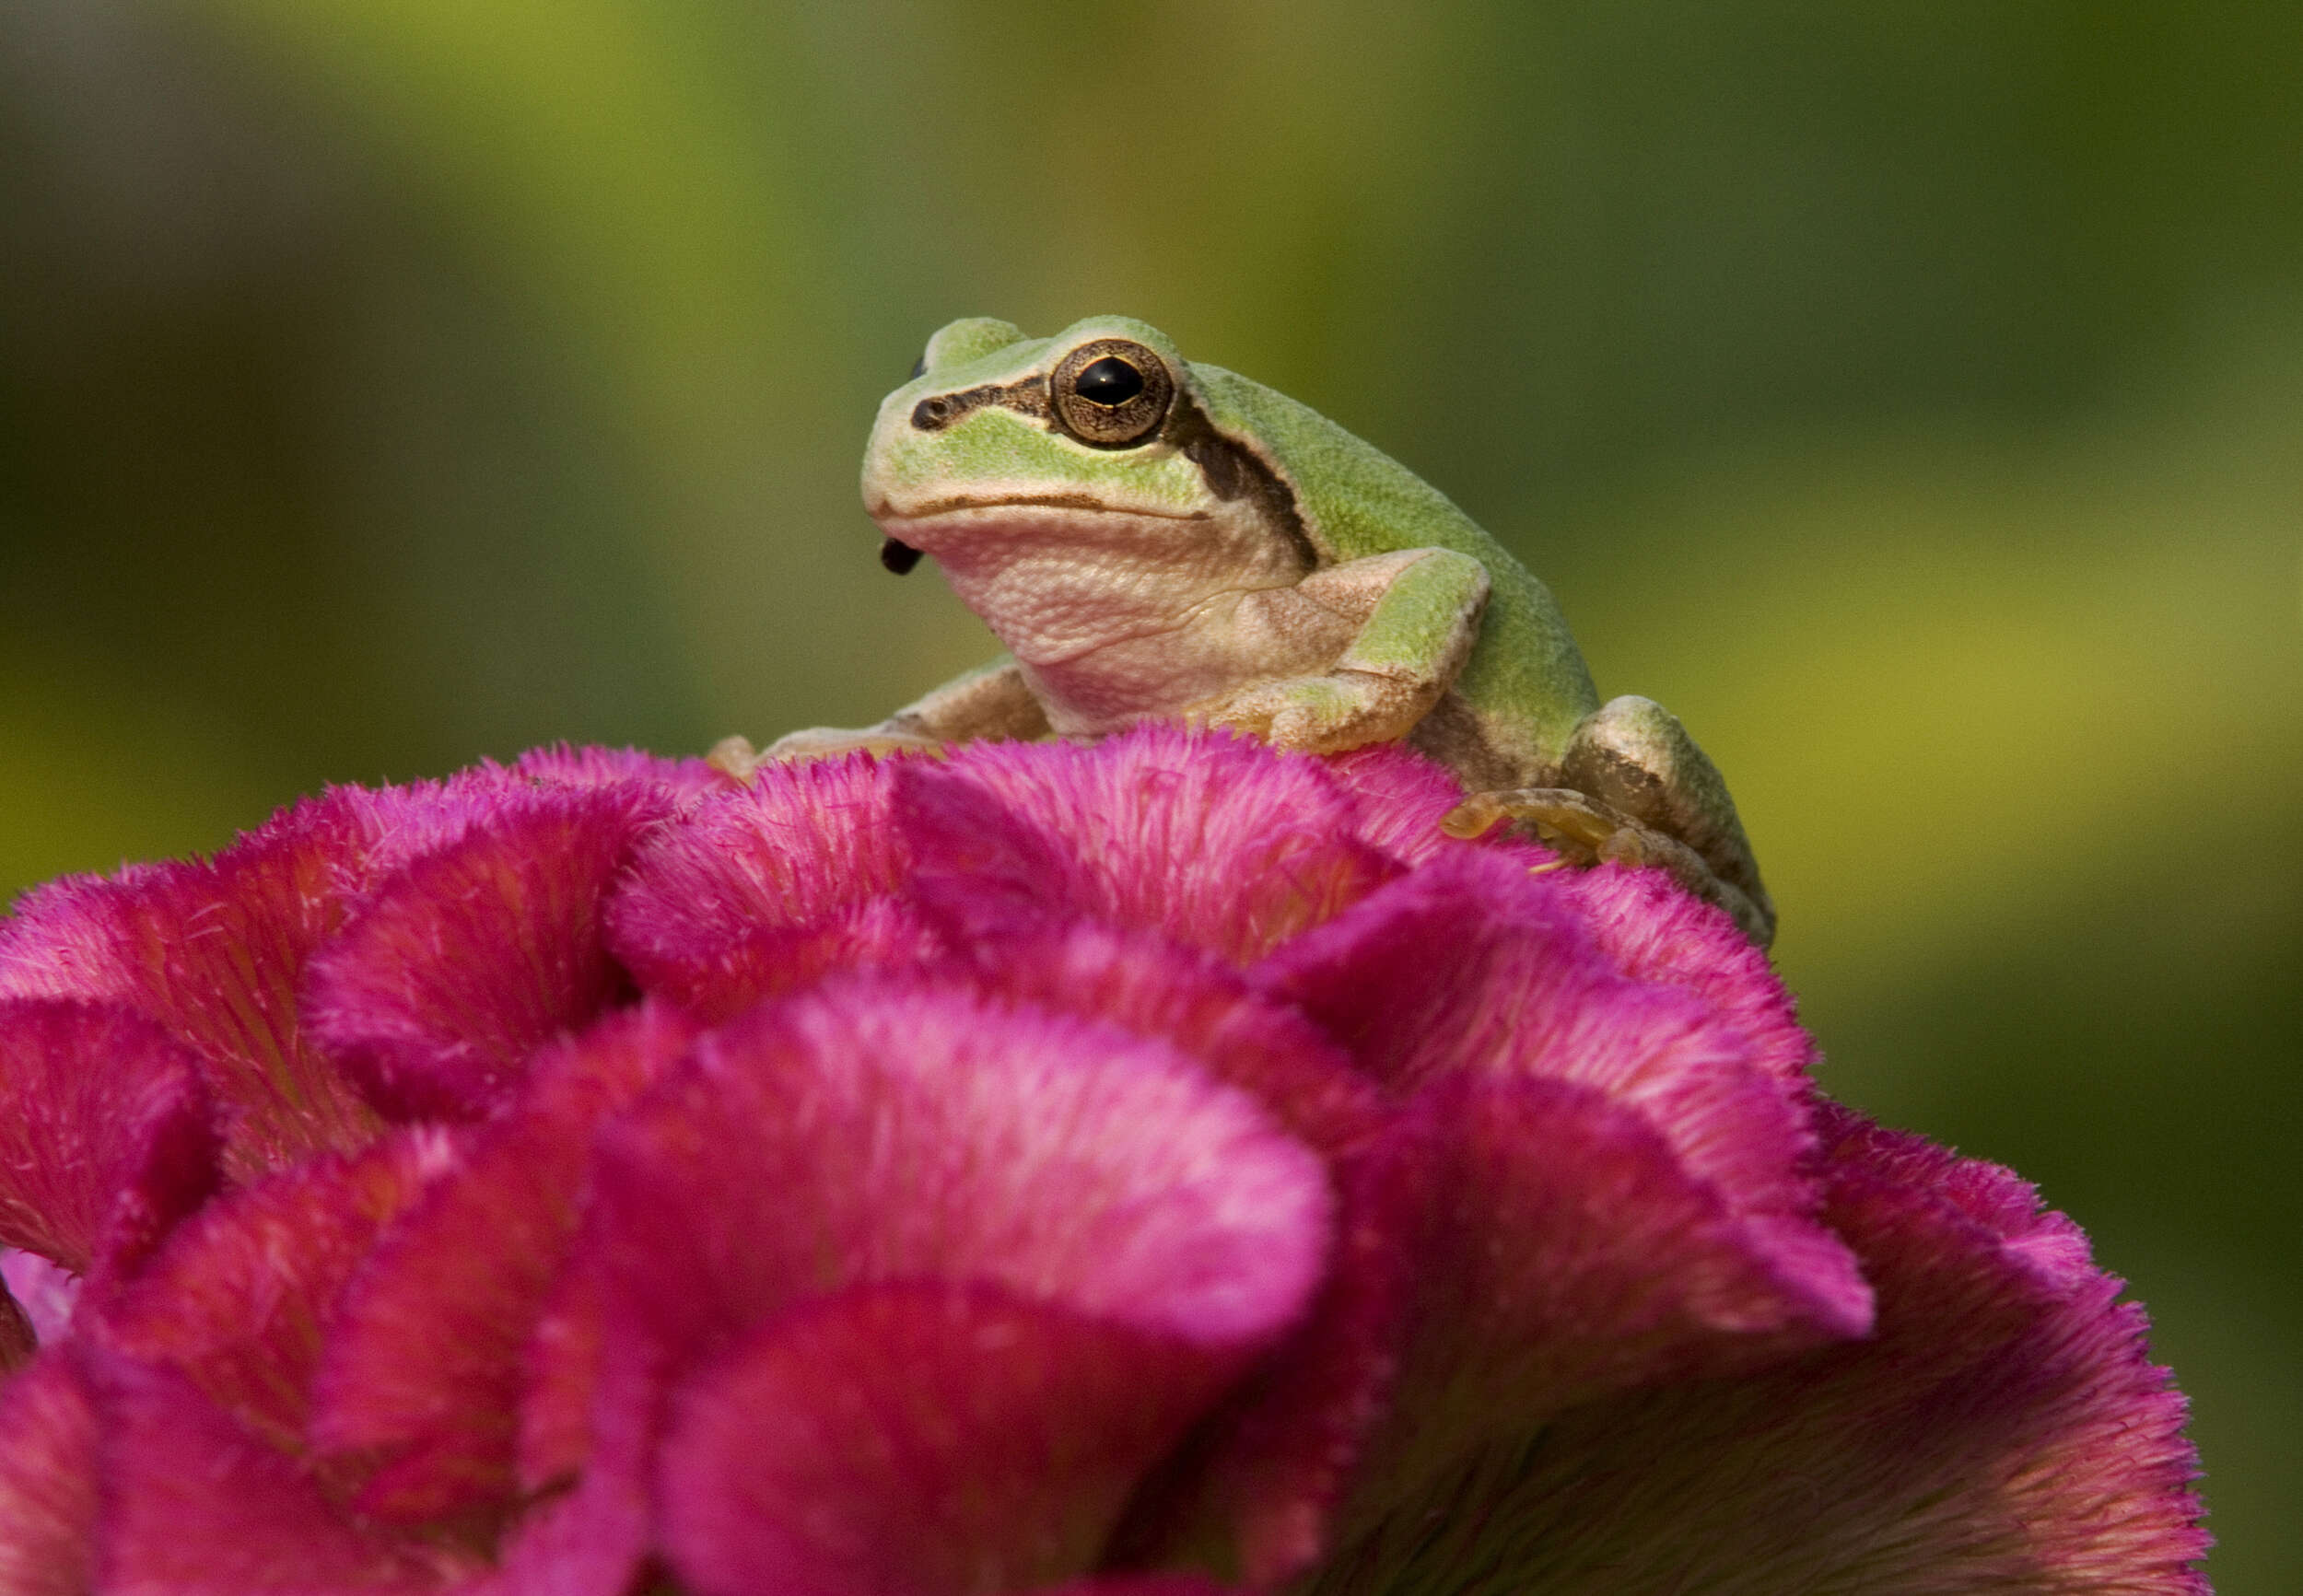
x=1910, y=394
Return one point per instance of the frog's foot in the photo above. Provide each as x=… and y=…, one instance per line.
x=740, y=759
x=1345, y=709
x=1584, y=831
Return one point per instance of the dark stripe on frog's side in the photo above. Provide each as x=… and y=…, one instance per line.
x=1234, y=470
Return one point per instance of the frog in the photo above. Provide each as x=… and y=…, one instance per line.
x=1156, y=539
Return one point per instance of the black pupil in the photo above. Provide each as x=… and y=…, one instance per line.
x=1110, y=381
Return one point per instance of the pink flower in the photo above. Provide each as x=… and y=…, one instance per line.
x=1148, y=1168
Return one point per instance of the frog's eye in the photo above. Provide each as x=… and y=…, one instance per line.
x=919, y=367
x=1111, y=393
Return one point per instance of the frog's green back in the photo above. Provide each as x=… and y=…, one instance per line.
x=1525, y=682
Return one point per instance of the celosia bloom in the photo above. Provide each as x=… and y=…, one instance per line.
x=1160, y=1166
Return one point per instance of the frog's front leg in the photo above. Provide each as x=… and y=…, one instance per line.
x=994, y=700
x=1634, y=789
x=1418, y=614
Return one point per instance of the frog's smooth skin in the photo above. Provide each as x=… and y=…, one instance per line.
x=1155, y=539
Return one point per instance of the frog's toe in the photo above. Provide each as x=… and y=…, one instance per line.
x=740, y=759
x=1585, y=832
x=1342, y=710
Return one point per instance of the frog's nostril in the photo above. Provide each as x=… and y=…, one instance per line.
x=931, y=414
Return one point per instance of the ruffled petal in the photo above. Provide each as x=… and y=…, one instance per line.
x=1193, y=1001
x=239, y=1294
x=476, y=954
x=49, y=1294
x=918, y=1438
x=48, y=1449
x=1257, y=1491
x=562, y=1363
x=213, y=951
x=1209, y=839
x=105, y=1133
x=19, y=1340
x=1253, y=1491
x=883, y=1130
x=2004, y=1429
x=719, y=980
x=1569, y=1252
x=1653, y=931
x=1399, y=798
x=195, y=1506
x=1469, y=967
x=878, y=1129
x=424, y=1362
x=803, y=844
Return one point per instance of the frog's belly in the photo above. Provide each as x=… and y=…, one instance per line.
x=1231, y=640
x=1118, y=617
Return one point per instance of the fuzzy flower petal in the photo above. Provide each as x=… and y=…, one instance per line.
x=48, y=1435
x=194, y=1505
x=424, y=1362
x=237, y=1298
x=95, y=1164
x=2003, y=1429
x=919, y=1439
x=788, y=852
x=1100, y=1171
x=477, y=954
x=884, y=1131
x=1213, y=841
x=213, y=951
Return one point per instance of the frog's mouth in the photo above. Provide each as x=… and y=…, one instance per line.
x=902, y=556
x=1084, y=504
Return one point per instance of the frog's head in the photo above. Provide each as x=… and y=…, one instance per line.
x=999, y=435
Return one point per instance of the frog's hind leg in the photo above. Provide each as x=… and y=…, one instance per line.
x=1633, y=788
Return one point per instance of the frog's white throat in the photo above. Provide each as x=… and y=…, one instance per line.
x=1114, y=613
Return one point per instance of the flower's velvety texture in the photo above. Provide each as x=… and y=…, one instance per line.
x=1153, y=1168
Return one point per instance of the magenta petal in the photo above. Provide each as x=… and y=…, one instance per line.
x=1193, y=1001
x=2004, y=1429
x=195, y=1506
x=1267, y=1468
x=1570, y=1254
x=49, y=1294
x=883, y=1129
x=476, y=954
x=105, y=1137
x=1213, y=840
x=238, y=1296
x=720, y=981
x=1469, y=967
x=19, y=1340
x=919, y=1439
x=1401, y=798
x=878, y=1129
x=425, y=1361
x=562, y=1365
x=792, y=852
x=1653, y=931
x=48, y=1440
x=213, y=951
x=1257, y=1491
x=682, y=780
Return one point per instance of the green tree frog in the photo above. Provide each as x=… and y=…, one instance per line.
x=1152, y=538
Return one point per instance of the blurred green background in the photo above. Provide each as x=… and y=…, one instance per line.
x=1911, y=395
